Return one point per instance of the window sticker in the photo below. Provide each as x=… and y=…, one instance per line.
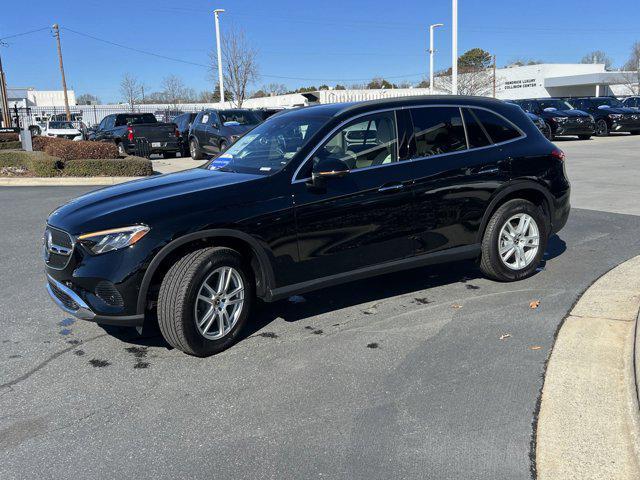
x=220, y=162
x=205, y=119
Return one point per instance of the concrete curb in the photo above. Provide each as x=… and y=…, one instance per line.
x=62, y=181
x=589, y=423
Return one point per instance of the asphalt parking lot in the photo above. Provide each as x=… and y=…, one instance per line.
x=431, y=373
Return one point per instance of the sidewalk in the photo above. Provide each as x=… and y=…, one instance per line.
x=160, y=166
x=589, y=422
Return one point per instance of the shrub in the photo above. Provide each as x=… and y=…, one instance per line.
x=39, y=143
x=109, y=167
x=10, y=145
x=37, y=163
x=70, y=150
x=9, y=137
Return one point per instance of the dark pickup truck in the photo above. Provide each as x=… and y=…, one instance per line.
x=139, y=134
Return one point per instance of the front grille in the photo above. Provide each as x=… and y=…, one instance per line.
x=109, y=294
x=58, y=248
x=66, y=300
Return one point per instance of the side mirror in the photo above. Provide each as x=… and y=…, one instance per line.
x=215, y=126
x=328, y=169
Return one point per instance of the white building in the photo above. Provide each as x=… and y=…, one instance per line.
x=30, y=97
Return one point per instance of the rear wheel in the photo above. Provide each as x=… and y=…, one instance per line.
x=205, y=300
x=584, y=137
x=223, y=146
x=602, y=129
x=514, y=241
x=194, y=149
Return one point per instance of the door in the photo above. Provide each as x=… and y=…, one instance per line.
x=458, y=166
x=199, y=128
x=362, y=218
x=212, y=134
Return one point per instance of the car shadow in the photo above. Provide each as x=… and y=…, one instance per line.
x=375, y=289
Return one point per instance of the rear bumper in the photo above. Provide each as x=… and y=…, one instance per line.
x=72, y=303
x=561, y=211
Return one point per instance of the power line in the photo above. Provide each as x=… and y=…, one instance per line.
x=24, y=33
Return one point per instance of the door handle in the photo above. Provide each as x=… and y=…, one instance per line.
x=391, y=188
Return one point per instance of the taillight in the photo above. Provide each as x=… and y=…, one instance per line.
x=130, y=134
x=177, y=133
x=559, y=154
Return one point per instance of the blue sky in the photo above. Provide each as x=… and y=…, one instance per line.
x=330, y=42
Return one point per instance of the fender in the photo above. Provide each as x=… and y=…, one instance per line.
x=509, y=188
x=259, y=251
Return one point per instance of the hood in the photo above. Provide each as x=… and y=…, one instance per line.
x=148, y=201
x=567, y=113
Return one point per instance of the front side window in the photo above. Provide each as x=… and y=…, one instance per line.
x=365, y=142
x=554, y=104
x=498, y=129
x=437, y=130
x=271, y=145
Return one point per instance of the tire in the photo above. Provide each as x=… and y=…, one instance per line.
x=223, y=146
x=194, y=149
x=584, y=137
x=549, y=133
x=491, y=262
x=602, y=129
x=179, y=307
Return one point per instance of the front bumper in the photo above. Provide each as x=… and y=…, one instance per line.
x=72, y=303
x=625, y=125
x=576, y=129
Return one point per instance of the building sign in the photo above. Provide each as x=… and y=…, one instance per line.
x=527, y=83
x=9, y=130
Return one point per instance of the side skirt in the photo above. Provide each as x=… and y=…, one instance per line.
x=452, y=254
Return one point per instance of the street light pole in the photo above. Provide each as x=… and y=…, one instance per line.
x=454, y=47
x=431, y=52
x=216, y=13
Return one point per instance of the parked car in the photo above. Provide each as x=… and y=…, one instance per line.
x=561, y=118
x=537, y=121
x=311, y=198
x=610, y=115
x=212, y=131
x=139, y=133
x=184, y=122
x=632, y=102
x=62, y=129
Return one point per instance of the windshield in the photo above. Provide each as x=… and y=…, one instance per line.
x=611, y=102
x=270, y=146
x=557, y=104
x=61, y=125
x=135, y=119
x=238, y=117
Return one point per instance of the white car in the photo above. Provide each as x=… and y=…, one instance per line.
x=62, y=129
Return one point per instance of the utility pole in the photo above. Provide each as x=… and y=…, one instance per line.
x=432, y=51
x=454, y=47
x=56, y=33
x=494, y=76
x=6, y=116
x=216, y=14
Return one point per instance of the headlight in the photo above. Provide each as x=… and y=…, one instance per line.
x=113, y=239
x=615, y=116
x=560, y=119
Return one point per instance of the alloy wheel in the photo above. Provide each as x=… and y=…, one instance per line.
x=219, y=303
x=519, y=241
x=601, y=128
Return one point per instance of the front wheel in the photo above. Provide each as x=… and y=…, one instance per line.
x=223, y=146
x=204, y=301
x=602, y=129
x=514, y=241
x=548, y=133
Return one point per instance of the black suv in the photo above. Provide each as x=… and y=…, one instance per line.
x=311, y=198
x=561, y=117
x=610, y=114
x=212, y=131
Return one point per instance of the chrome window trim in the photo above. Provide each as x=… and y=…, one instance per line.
x=460, y=106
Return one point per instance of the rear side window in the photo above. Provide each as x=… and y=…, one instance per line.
x=498, y=128
x=475, y=132
x=437, y=130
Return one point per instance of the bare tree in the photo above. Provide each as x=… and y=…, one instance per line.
x=130, y=89
x=174, y=91
x=471, y=81
x=87, y=99
x=239, y=64
x=632, y=70
x=598, y=56
x=274, y=89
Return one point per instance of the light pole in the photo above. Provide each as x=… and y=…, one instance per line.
x=454, y=47
x=216, y=13
x=431, y=52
